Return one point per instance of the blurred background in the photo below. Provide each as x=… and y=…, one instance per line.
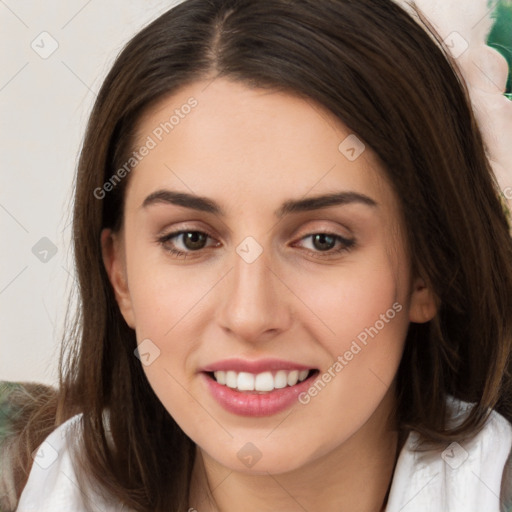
x=500, y=36
x=54, y=57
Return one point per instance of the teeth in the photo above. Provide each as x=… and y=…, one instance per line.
x=293, y=377
x=245, y=381
x=281, y=379
x=262, y=382
x=231, y=379
x=221, y=377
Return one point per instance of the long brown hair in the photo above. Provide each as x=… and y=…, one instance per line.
x=385, y=78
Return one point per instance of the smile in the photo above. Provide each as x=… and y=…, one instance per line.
x=264, y=382
x=256, y=388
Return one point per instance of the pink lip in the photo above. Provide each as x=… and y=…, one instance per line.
x=249, y=403
x=252, y=403
x=259, y=366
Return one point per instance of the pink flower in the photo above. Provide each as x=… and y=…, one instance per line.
x=464, y=27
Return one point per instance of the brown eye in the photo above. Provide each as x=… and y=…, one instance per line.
x=181, y=243
x=194, y=240
x=324, y=244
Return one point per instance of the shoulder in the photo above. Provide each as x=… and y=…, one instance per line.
x=53, y=482
x=473, y=474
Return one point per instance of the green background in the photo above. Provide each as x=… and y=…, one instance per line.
x=500, y=36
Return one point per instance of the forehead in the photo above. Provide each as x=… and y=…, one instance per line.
x=220, y=137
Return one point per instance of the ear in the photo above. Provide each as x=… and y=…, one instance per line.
x=112, y=248
x=423, y=304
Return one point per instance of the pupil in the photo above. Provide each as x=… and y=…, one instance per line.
x=194, y=240
x=324, y=239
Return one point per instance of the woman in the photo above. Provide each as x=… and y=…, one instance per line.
x=295, y=275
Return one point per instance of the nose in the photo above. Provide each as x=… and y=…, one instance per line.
x=255, y=304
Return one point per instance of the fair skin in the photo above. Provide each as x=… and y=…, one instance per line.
x=250, y=150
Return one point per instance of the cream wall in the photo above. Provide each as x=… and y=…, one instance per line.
x=45, y=99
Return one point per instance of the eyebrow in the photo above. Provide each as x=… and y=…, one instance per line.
x=205, y=204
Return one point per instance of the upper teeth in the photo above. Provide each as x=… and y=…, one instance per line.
x=265, y=381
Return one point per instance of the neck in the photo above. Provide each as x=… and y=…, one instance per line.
x=354, y=477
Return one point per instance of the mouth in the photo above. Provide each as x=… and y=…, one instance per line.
x=260, y=383
x=257, y=388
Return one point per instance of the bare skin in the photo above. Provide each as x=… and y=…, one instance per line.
x=250, y=151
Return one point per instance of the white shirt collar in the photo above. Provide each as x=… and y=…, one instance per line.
x=462, y=477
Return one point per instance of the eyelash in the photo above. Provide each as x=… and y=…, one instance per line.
x=346, y=244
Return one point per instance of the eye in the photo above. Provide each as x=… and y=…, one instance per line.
x=324, y=244
x=191, y=241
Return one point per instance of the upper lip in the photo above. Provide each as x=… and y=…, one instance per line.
x=256, y=366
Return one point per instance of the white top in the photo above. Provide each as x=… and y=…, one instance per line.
x=471, y=476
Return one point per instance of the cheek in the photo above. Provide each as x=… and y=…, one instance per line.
x=166, y=301
x=163, y=294
x=363, y=322
x=367, y=322
x=350, y=299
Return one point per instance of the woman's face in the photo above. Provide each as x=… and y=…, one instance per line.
x=275, y=284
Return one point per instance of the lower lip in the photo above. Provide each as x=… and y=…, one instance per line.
x=254, y=404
